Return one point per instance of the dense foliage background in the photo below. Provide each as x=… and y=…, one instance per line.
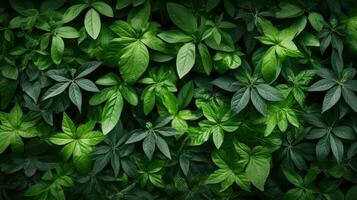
x=149, y=99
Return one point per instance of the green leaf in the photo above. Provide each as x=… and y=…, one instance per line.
x=336, y=147
x=62, y=139
x=13, y=127
x=185, y=95
x=68, y=126
x=316, y=20
x=55, y=90
x=311, y=175
x=36, y=189
x=185, y=59
x=258, y=102
x=149, y=100
x=269, y=93
x=226, y=83
x=268, y=28
x=331, y=98
x=258, y=167
x=292, y=118
x=137, y=136
x=149, y=146
x=108, y=80
x=67, y=32
x=294, y=194
x=174, y=36
x=205, y=58
x=270, y=65
x=87, y=68
x=311, y=40
x=163, y=147
x=75, y=95
x=182, y=17
x=101, y=96
x=350, y=98
x=295, y=28
x=351, y=193
x=78, y=142
x=322, y=148
x=288, y=10
x=92, y=23
x=139, y=16
x=72, y=12
x=149, y=39
x=129, y=95
x=218, y=137
x=226, y=176
x=293, y=177
x=344, y=132
x=111, y=112
x=57, y=49
x=322, y=85
x=217, y=176
x=287, y=48
x=10, y=72
x=58, y=75
x=170, y=101
x=123, y=29
x=240, y=99
x=87, y=85
x=134, y=61
x=103, y=8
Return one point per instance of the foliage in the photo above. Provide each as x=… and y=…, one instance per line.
x=159, y=99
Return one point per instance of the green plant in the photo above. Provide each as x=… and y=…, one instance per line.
x=163, y=99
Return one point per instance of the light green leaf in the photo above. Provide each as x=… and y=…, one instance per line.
x=123, y=29
x=270, y=65
x=174, y=36
x=57, y=49
x=149, y=39
x=129, y=95
x=67, y=32
x=149, y=100
x=68, y=126
x=108, y=80
x=72, y=12
x=111, y=112
x=258, y=167
x=133, y=61
x=103, y=8
x=218, y=136
x=92, y=23
x=185, y=59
